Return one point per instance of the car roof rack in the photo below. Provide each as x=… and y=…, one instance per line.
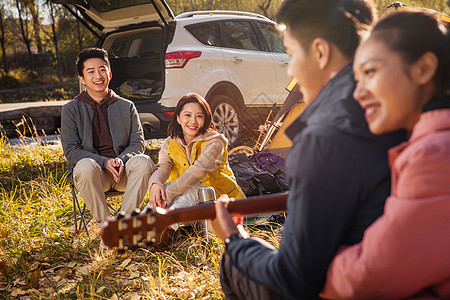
x=220, y=12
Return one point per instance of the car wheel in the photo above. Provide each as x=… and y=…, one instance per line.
x=147, y=129
x=226, y=117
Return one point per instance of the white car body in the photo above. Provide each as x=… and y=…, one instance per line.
x=237, y=61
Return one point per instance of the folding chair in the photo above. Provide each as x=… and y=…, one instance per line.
x=81, y=224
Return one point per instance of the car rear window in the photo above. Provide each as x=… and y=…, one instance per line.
x=272, y=37
x=239, y=35
x=121, y=47
x=205, y=33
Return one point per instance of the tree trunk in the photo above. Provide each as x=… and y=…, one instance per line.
x=55, y=41
x=24, y=32
x=3, y=41
x=80, y=40
x=237, y=5
x=34, y=10
x=264, y=7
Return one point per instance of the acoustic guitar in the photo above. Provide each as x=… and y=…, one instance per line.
x=131, y=230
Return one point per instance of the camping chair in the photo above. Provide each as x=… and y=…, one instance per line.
x=81, y=222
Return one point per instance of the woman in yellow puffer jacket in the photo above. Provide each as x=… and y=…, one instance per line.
x=194, y=156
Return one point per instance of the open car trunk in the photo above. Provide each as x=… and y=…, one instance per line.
x=136, y=34
x=137, y=63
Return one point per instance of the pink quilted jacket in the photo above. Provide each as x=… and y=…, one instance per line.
x=406, y=252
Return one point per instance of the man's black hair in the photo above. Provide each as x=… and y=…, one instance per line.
x=340, y=22
x=90, y=53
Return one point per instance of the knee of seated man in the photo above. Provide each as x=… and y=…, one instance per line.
x=140, y=163
x=86, y=168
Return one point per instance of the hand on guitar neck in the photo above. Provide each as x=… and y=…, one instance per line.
x=131, y=230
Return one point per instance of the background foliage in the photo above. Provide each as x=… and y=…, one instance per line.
x=41, y=39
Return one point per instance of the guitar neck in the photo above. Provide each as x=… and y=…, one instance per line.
x=242, y=207
x=132, y=229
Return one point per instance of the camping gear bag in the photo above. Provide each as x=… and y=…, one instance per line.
x=252, y=179
x=272, y=163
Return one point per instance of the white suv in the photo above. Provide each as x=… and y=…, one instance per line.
x=236, y=60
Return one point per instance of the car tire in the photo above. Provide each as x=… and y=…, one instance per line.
x=227, y=118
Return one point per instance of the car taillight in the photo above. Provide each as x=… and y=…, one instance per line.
x=179, y=59
x=169, y=114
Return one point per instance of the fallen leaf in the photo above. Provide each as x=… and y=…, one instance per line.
x=124, y=264
x=34, y=278
x=134, y=296
x=18, y=281
x=16, y=292
x=127, y=282
x=64, y=271
x=33, y=291
x=108, y=270
x=101, y=289
x=4, y=233
x=133, y=267
x=35, y=265
x=3, y=268
x=83, y=270
x=135, y=275
x=114, y=297
x=72, y=264
x=44, y=281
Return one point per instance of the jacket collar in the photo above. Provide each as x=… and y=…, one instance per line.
x=435, y=117
x=208, y=135
x=437, y=103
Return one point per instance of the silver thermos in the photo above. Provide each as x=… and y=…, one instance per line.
x=206, y=195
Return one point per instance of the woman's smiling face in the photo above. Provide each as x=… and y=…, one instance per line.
x=386, y=88
x=191, y=119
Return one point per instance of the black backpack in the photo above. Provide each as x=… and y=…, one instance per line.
x=252, y=179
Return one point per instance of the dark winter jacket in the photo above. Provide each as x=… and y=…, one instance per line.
x=339, y=178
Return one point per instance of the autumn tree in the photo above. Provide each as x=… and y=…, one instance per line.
x=54, y=36
x=3, y=37
x=33, y=7
x=24, y=30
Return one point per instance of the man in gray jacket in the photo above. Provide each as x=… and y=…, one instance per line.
x=103, y=141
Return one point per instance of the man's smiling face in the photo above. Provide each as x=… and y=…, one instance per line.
x=96, y=77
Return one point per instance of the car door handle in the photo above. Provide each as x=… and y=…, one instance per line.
x=237, y=60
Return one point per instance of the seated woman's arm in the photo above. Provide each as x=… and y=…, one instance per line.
x=164, y=166
x=157, y=194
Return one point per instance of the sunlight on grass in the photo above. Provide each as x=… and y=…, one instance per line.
x=42, y=258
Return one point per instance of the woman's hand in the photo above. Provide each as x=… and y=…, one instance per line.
x=224, y=225
x=157, y=196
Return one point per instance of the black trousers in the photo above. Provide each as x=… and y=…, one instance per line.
x=235, y=285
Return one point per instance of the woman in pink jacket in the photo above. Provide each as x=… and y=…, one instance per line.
x=403, y=72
